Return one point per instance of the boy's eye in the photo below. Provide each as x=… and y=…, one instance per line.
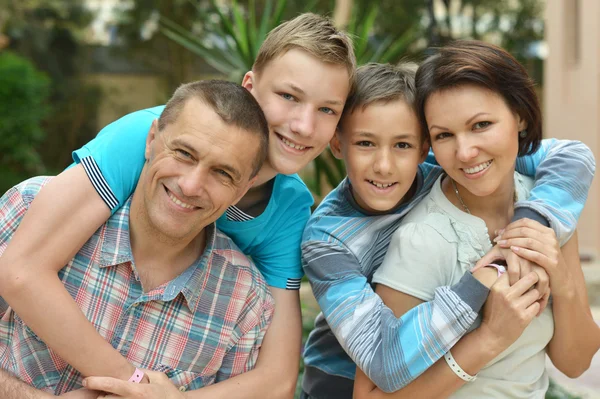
x=443, y=135
x=481, y=125
x=364, y=143
x=287, y=96
x=327, y=110
x=403, y=145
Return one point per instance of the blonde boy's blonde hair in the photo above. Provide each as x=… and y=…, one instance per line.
x=312, y=33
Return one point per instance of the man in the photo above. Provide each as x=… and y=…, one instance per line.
x=158, y=281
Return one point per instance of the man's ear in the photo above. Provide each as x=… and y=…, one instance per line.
x=336, y=145
x=248, y=81
x=152, y=135
x=424, y=151
x=245, y=190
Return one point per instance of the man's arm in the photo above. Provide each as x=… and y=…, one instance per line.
x=13, y=388
x=563, y=172
x=368, y=330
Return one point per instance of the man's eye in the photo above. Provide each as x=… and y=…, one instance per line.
x=481, y=125
x=183, y=153
x=224, y=174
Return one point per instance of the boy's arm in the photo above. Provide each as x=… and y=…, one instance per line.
x=368, y=330
x=49, y=233
x=563, y=172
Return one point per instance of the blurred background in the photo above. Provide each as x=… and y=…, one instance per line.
x=70, y=67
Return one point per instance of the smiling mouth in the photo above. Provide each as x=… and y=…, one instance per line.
x=478, y=168
x=291, y=144
x=381, y=185
x=178, y=202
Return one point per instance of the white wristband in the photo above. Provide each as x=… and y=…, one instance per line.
x=457, y=369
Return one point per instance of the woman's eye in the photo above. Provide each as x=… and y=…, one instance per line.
x=403, y=145
x=364, y=144
x=443, y=136
x=481, y=125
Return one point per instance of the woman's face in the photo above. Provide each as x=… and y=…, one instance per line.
x=475, y=137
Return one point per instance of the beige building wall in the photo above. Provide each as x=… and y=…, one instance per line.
x=572, y=92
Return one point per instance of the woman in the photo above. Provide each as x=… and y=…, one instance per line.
x=480, y=111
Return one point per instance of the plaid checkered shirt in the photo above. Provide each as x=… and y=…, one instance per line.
x=204, y=326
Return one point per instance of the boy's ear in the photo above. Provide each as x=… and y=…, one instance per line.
x=248, y=81
x=152, y=134
x=336, y=145
x=424, y=151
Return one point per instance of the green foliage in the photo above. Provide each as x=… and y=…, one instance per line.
x=23, y=94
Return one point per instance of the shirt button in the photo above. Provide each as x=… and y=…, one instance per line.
x=181, y=389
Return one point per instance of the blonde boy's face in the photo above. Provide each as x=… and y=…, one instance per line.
x=382, y=148
x=303, y=99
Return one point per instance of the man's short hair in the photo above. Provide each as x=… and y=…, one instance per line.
x=234, y=105
x=315, y=34
x=382, y=83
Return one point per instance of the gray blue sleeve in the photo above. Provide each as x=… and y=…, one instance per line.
x=114, y=159
x=391, y=351
x=563, y=172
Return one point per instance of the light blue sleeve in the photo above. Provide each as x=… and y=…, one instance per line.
x=114, y=159
x=563, y=172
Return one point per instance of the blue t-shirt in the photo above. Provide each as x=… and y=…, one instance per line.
x=114, y=160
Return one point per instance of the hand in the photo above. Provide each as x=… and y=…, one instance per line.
x=532, y=241
x=159, y=387
x=509, y=310
x=81, y=394
x=517, y=267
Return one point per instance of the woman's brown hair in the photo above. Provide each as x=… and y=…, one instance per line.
x=473, y=62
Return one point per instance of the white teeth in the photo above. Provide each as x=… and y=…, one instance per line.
x=381, y=185
x=478, y=168
x=290, y=144
x=181, y=204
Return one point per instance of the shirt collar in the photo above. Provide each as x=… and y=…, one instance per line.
x=116, y=249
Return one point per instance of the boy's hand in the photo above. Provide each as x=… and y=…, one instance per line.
x=159, y=387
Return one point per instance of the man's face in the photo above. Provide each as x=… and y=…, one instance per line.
x=302, y=99
x=197, y=167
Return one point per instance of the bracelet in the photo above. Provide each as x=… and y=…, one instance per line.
x=501, y=269
x=137, y=376
x=457, y=369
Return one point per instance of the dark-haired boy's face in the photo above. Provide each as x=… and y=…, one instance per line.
x=302, y=98
x=381, y=146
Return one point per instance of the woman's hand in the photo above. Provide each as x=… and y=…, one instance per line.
x=532, y=241
x=509, y=310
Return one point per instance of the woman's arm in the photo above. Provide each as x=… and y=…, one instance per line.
x=571, y=349
x=506, y=314
x=62, y=217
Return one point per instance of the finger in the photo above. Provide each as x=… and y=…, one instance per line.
x=543, y=284
x=513, y=268
x=524, y=242
x=529, y=223
x=531, y=312
x=110, y=385
x=523, y=285
x=535, y=257
x=491, y=257
x=543, y=303
x=528, y=298
x=520, y=232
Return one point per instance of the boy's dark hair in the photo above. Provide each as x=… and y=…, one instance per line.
x=382, y=83
x=470, y=62
x=234, y=105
